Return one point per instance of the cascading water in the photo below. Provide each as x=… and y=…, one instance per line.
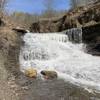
x=75, y=35
x=55, y=52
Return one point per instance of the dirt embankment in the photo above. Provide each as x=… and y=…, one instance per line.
x=9, y=61
x=79, y=17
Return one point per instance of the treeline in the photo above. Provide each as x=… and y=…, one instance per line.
x=26, y=19
x=3, y=4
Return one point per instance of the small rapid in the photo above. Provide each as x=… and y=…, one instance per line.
x=53, y=51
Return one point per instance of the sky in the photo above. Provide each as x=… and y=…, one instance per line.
x=35, y=6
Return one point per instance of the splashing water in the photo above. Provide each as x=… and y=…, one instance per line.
x=75, y=35
x=55, y=52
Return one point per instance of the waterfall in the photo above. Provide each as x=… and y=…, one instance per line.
x=32, y=52
x=75, y=35
x=60, y=37
x=53, y=51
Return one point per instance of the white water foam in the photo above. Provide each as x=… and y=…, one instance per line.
x=54, y=52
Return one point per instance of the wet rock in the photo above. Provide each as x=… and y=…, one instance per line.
x=49, y=74
x=32, y=73
x=91, y=33
x=20, y=31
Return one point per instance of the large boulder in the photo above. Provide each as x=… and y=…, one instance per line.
x=32, y=73
x=49, y=74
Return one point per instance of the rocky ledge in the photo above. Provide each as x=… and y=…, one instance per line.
x=79, y=17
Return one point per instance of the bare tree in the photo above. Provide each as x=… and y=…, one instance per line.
x=76, y=3
x=49, y=5
x=73, y=3
x=3, y=4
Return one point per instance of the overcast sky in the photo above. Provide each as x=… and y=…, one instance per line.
x=35, y=6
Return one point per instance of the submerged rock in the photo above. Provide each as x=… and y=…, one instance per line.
x=32, y=73
x=49, y=74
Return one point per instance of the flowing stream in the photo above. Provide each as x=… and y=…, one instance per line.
x=54, y=51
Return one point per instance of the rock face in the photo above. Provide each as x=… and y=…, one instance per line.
x=79, y=17
x=20, y=31
x=45, y=26
x=91, y=34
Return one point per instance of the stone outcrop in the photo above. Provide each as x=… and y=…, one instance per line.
x=20, y=31
x=91, y=36
x=79, y=17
